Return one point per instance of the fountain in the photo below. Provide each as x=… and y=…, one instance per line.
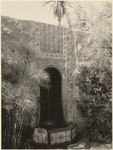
x=52, y=130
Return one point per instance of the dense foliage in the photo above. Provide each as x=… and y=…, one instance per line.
x=94, y=78
x=95, y=101
x=20, y=87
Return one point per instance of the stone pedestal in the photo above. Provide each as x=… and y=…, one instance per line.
x=55, y=137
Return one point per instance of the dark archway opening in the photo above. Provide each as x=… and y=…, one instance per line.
x=51, y=107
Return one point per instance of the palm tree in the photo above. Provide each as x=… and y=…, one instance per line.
x=59, y=9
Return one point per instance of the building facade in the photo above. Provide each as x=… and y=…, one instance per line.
x=55, y=48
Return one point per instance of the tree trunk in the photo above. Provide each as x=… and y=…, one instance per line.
x=59, y=23
x=59, y=20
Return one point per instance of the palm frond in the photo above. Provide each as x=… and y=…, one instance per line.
x=45, y=3
x=52, y=5
x=67, y=3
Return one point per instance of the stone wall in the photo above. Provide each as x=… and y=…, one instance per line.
x=54, y=47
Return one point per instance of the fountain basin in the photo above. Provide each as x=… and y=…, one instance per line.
x=56, y=136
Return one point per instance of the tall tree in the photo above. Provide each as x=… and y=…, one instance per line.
x=59, y=9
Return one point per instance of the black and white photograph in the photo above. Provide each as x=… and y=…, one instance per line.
x=56, y=74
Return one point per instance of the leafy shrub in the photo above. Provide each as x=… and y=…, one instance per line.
x=95, y=101
x=20, y=87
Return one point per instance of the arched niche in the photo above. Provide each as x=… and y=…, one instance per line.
x=51, y=101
